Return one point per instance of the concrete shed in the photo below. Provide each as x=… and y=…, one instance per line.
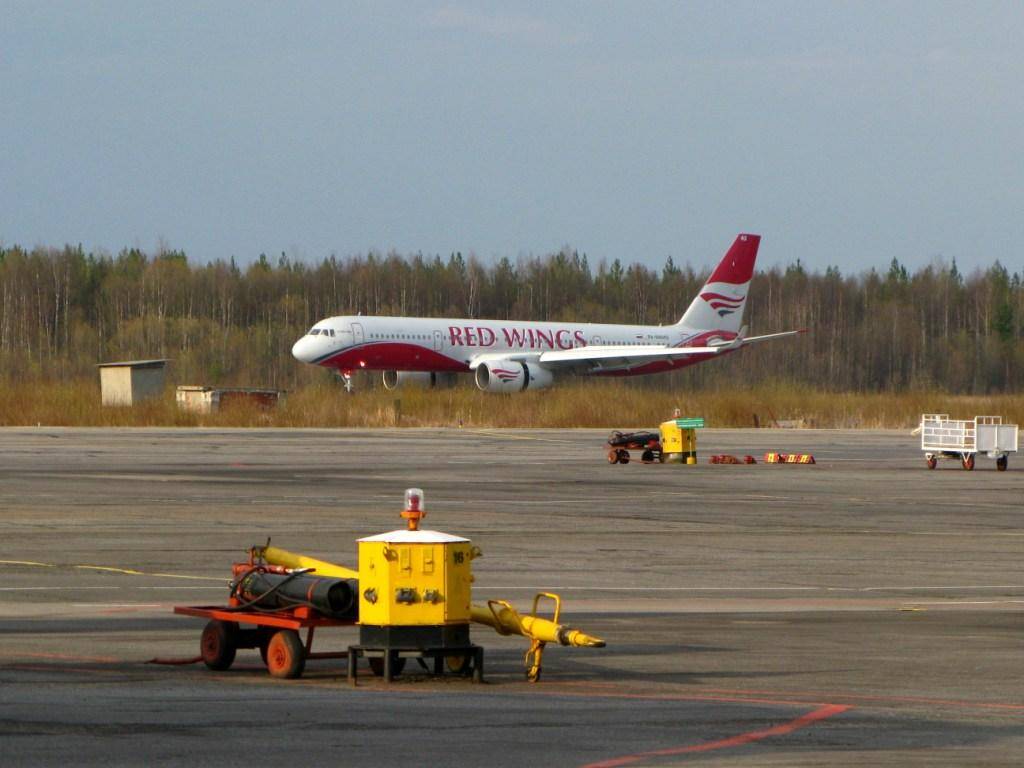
x=131, y=381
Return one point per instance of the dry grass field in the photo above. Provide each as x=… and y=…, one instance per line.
x=604, y=404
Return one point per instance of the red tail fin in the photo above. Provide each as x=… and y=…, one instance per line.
x=738, y=265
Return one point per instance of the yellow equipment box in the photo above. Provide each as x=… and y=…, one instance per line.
x=414, y=578
x=678, y=444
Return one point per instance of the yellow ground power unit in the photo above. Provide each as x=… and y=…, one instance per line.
x=679, y=440
x=415, y=594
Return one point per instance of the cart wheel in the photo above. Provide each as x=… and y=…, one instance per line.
x=1002, y=462
x=377, y=665
x=623, y=457
x=647, y=456
x=613, y=456
x=932, y=462
x=217, y=644
x=968, y=462
x=286, y=658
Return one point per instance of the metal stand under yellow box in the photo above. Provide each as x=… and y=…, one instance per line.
x=679, y=440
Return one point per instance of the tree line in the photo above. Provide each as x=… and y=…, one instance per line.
x=64, y=310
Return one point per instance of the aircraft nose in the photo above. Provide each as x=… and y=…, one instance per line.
x=302, y=350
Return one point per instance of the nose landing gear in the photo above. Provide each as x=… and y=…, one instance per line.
x=346, y=381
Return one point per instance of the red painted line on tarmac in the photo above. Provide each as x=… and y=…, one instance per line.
x=829, y=710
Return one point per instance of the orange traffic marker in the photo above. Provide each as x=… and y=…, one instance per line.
x=800, y=458
x=788, y=458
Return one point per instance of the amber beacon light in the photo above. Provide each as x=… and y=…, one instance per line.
x=415, y=507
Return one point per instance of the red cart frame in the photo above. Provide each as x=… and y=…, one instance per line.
x=275, y=634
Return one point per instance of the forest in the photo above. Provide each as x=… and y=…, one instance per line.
x=886, y=329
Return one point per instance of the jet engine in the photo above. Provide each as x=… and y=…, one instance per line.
x=512, y=376
x=418, y=379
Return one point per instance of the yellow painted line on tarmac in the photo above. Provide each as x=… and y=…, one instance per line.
x=112, y=569
x=27, y=562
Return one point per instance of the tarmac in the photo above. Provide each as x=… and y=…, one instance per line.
x=860, y=611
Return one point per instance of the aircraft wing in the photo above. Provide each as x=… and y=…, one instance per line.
x=598, y=357
x=621, y=357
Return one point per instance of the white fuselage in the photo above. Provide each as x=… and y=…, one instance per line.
x=445, y=344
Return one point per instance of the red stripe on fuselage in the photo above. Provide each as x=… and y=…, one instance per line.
x=393, y=356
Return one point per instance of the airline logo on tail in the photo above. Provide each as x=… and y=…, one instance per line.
x=724, y=305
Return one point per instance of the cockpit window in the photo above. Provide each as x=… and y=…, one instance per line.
x=314, y=332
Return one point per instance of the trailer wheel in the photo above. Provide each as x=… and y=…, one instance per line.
x=968, y=462
x=1002, y=462
x=286, y=658
x=217, y=644
x=613, y=456
x=377, y=665
x=647, y=457
x=623, y=457
x=932, y=462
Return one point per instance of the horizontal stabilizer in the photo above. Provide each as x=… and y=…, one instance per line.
x=768, y=336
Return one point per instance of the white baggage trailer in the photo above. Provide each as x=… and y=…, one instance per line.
x=945, y=438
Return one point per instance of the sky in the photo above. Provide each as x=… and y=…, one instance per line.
x=846, y=134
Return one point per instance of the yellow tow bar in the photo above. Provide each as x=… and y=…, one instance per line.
x=282, y=557
x=506, y=620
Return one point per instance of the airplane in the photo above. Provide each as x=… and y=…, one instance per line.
x=509, y=356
